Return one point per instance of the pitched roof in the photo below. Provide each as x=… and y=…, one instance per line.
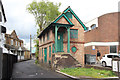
x=63, y=14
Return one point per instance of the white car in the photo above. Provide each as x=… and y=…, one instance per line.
x=107, y=59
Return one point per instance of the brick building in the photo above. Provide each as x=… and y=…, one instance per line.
x=64, y=35
x=16, y=46
x=102, y=34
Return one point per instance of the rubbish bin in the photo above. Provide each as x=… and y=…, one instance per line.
x=90, y=58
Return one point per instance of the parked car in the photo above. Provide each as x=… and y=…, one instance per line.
x=107, y=59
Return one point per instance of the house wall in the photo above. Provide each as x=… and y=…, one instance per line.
x=107, y=31
x=46, y=44
x=78, y=43
x=8, y=39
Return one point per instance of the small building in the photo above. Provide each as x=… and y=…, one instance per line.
x=65, y=35
x=3, y=20
x=15, y=45
x=27, y=54
x=103, y=34
x=2, y=32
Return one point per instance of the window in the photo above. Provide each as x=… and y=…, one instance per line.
x=113, y=56
x=74, y=33
x=93, y=26
x=42, y=52
x=69, y=15
x=41, y=40
x=21, y=44
x=44, y=38
x=16, y=43
x=74, y=49
x=113, y=49
x=0, y=17
x=11, y=41
x=109, y=56
x=48, y=36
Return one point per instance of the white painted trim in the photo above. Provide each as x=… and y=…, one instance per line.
x=101, y=44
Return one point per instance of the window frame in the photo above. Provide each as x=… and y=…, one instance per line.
x=44, y=38
x=73, y=37
x=110, y=49
x=93, y=26
x=47, y=35
x=11, y=41
x=0, y=16
x=16, y=43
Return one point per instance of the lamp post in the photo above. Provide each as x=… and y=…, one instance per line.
x=30, y=45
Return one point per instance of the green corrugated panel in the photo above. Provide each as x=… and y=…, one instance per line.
x=53, y=48
x=74, y=33
x=49, y=51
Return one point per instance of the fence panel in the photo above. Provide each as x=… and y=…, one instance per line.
x=8, y=62
x=0, y=63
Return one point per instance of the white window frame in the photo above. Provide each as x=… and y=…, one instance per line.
x=11, y=41
x=16, y=43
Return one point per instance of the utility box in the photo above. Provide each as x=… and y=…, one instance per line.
x=1, y=63
x=90, y=59
x=116, y=64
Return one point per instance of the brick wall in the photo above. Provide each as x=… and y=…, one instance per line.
x=107, y=30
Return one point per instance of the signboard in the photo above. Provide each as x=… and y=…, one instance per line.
x=93, y=47
x=115, y=66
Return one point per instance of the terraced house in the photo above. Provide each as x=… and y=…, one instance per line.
x=64, y=39
x=16, y=46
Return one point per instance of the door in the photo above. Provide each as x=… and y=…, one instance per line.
x=60, y=42
x=45, y=55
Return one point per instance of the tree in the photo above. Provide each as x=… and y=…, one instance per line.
x=44, y=12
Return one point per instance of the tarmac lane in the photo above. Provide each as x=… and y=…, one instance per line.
x=28, y=70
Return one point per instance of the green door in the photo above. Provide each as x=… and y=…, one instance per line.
x=60, y=42
x=45, y=55
x=49, y=51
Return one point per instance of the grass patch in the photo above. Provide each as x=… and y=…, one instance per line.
x=91, y=72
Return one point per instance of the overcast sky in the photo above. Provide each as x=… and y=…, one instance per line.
x=23, y=23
